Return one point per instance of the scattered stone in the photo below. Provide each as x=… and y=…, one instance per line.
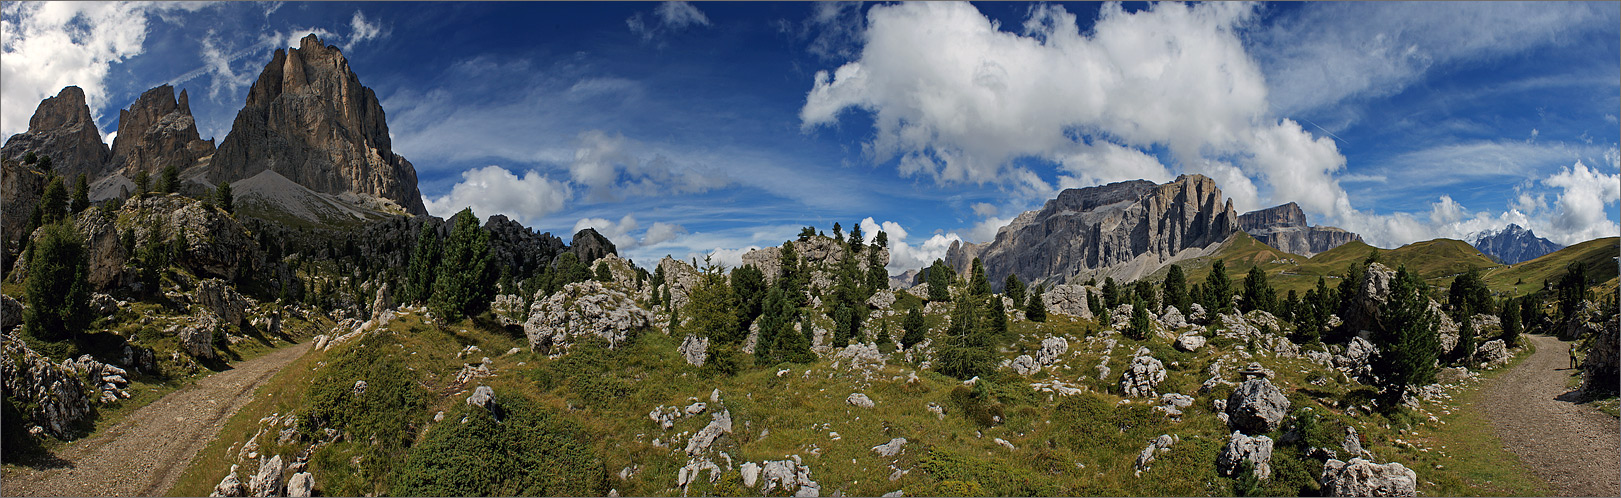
x=720, y=424
x=1003, y=443
x=1025, y=365
x=751, y=474
x=1361, y=477
x=1155, y=446
x=11, y=313
x=57, y=392
x=695, y=350
x=1353, y=442
x=1144, y=374
x=1241, y=448
x=1256, y=406
x=1174, y=403
x=1172, y=318
x=939, y=411
x=696, y=408
x=860, y=356
x=197, y=337
x=1493, y=352
x=1190, y=342
x=267, y=482
x=1197, y=314
x=301, y=484
x=1067, y=299
x=860, y=400
x=509, y=310
x=1051, y=349
x=230, y=485
x=484, y=397
x=881, y=300
x=891, y=448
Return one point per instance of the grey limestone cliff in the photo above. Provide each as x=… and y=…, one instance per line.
x=1284, y=228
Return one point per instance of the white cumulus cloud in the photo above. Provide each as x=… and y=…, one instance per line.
x=618, y=232
x=494, y=190
x=903, y=255
x=50, y=45
x=662, y=232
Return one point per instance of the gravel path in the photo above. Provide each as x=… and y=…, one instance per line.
x=146, y=453
x=1576, y=448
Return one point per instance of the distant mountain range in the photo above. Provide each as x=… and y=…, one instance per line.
x=1513, y=244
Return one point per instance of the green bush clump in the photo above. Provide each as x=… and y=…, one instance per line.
x=531, y=452
x=386, y=416
x=978, y=403
x=964, y=475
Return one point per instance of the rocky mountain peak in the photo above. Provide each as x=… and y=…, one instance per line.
x=1284, y=228
x=63, y=129
x=157, y=131
x=1513, y=244
x=309, y=119
x=1130, y=227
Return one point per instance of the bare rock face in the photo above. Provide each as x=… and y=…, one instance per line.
x=1143, y=376
x=1513, y=244
x=309, y=119
x=583, y=308
x=1375, y=290
x=518, y=247
x=588, y=245
x=222, y=300
x=267, y=482
x=1067, y=299
x=197, y=337
x=20, y=189
x=681, y=278
x=1360, y=477
x=820, y=255
x=57, y=392
x=1284, y=228
x=1101, y=227
x=157, y=131
x=63, y=129
x=216, y=245
x=102, y=245
x=1599, y=369
x=11, y=313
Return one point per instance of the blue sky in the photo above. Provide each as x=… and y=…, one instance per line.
x=698, y=128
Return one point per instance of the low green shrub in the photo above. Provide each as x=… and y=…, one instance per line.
x=532, y=452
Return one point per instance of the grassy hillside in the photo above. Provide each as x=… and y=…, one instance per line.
x=1527, y=277
x=594, y=402
x=1438, y=261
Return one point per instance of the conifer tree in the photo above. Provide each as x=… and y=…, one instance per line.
x=57, y=290
x=1510, y=318
x=1464, y=352
x=939, y=280
x=1145, y=291
x=978, y=285
x=81, y=195
x=464, y=283
x=998, y=316
x=419, y=275
x=776, y=320
x=1176, y=289
x=1140, y=326
x=53, y=204
x=224, y=198
x=1013, y=288
x=712, y=309
x=1258, y=294
x=1407, y=339
x=877, y=276
x=603, y=274
x=1035, y=310
x=1218, y=289
x=1111, y=294
x=912, y=327
x=882, y=240
x=969, y=346
x=838, y=232
x=748, y=284
x=169, y=183
x=143, y=182
x=855, y=238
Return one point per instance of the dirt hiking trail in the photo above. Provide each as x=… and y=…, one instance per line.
x=1576, y=448
x=146, y=453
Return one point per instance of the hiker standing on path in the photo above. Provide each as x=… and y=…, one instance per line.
x=1572, y=356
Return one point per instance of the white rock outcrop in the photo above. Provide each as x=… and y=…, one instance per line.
x=583, y=308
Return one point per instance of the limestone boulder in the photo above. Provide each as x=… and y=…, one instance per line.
x=267, y=481
x=223, y=301
x=583, y=308
x=695, y=350
x=56, y=392
x=1256, y=406
x=1360, y=477
x=1067, y=299
x=1143, y=376
x=1240, y=449
x=301, y=484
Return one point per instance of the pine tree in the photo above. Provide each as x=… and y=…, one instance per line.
x=1468, y=295
x=1176, y=289
x=978, y=285
x=939, y=280
x=794, y=278
x=1013, y=288
x=1111, y=294
x=53, y=204
x=57, y=290
x=1572, y=290
x=843, y=324
x=806, y=233
x=1218, y=289
x=143, y=182
x=81, y=195
x=838, y=232
x=603, y=274
x=882, y=240
x=1464, y=352
x=877, y=276
x=1510, y=318
x=1407, y=339
x=968, y=350
x=1140, y=326
x=419, y=275
x=748, y=284
x=776, y=319
x=1145, y=292
x=998, y=316
x=464, y=284
x=170, y=181
x=1258, y=294
x=855, y=238
x=224, y=198
x=1035, y=310
x=712, y=309
x=912, y=326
